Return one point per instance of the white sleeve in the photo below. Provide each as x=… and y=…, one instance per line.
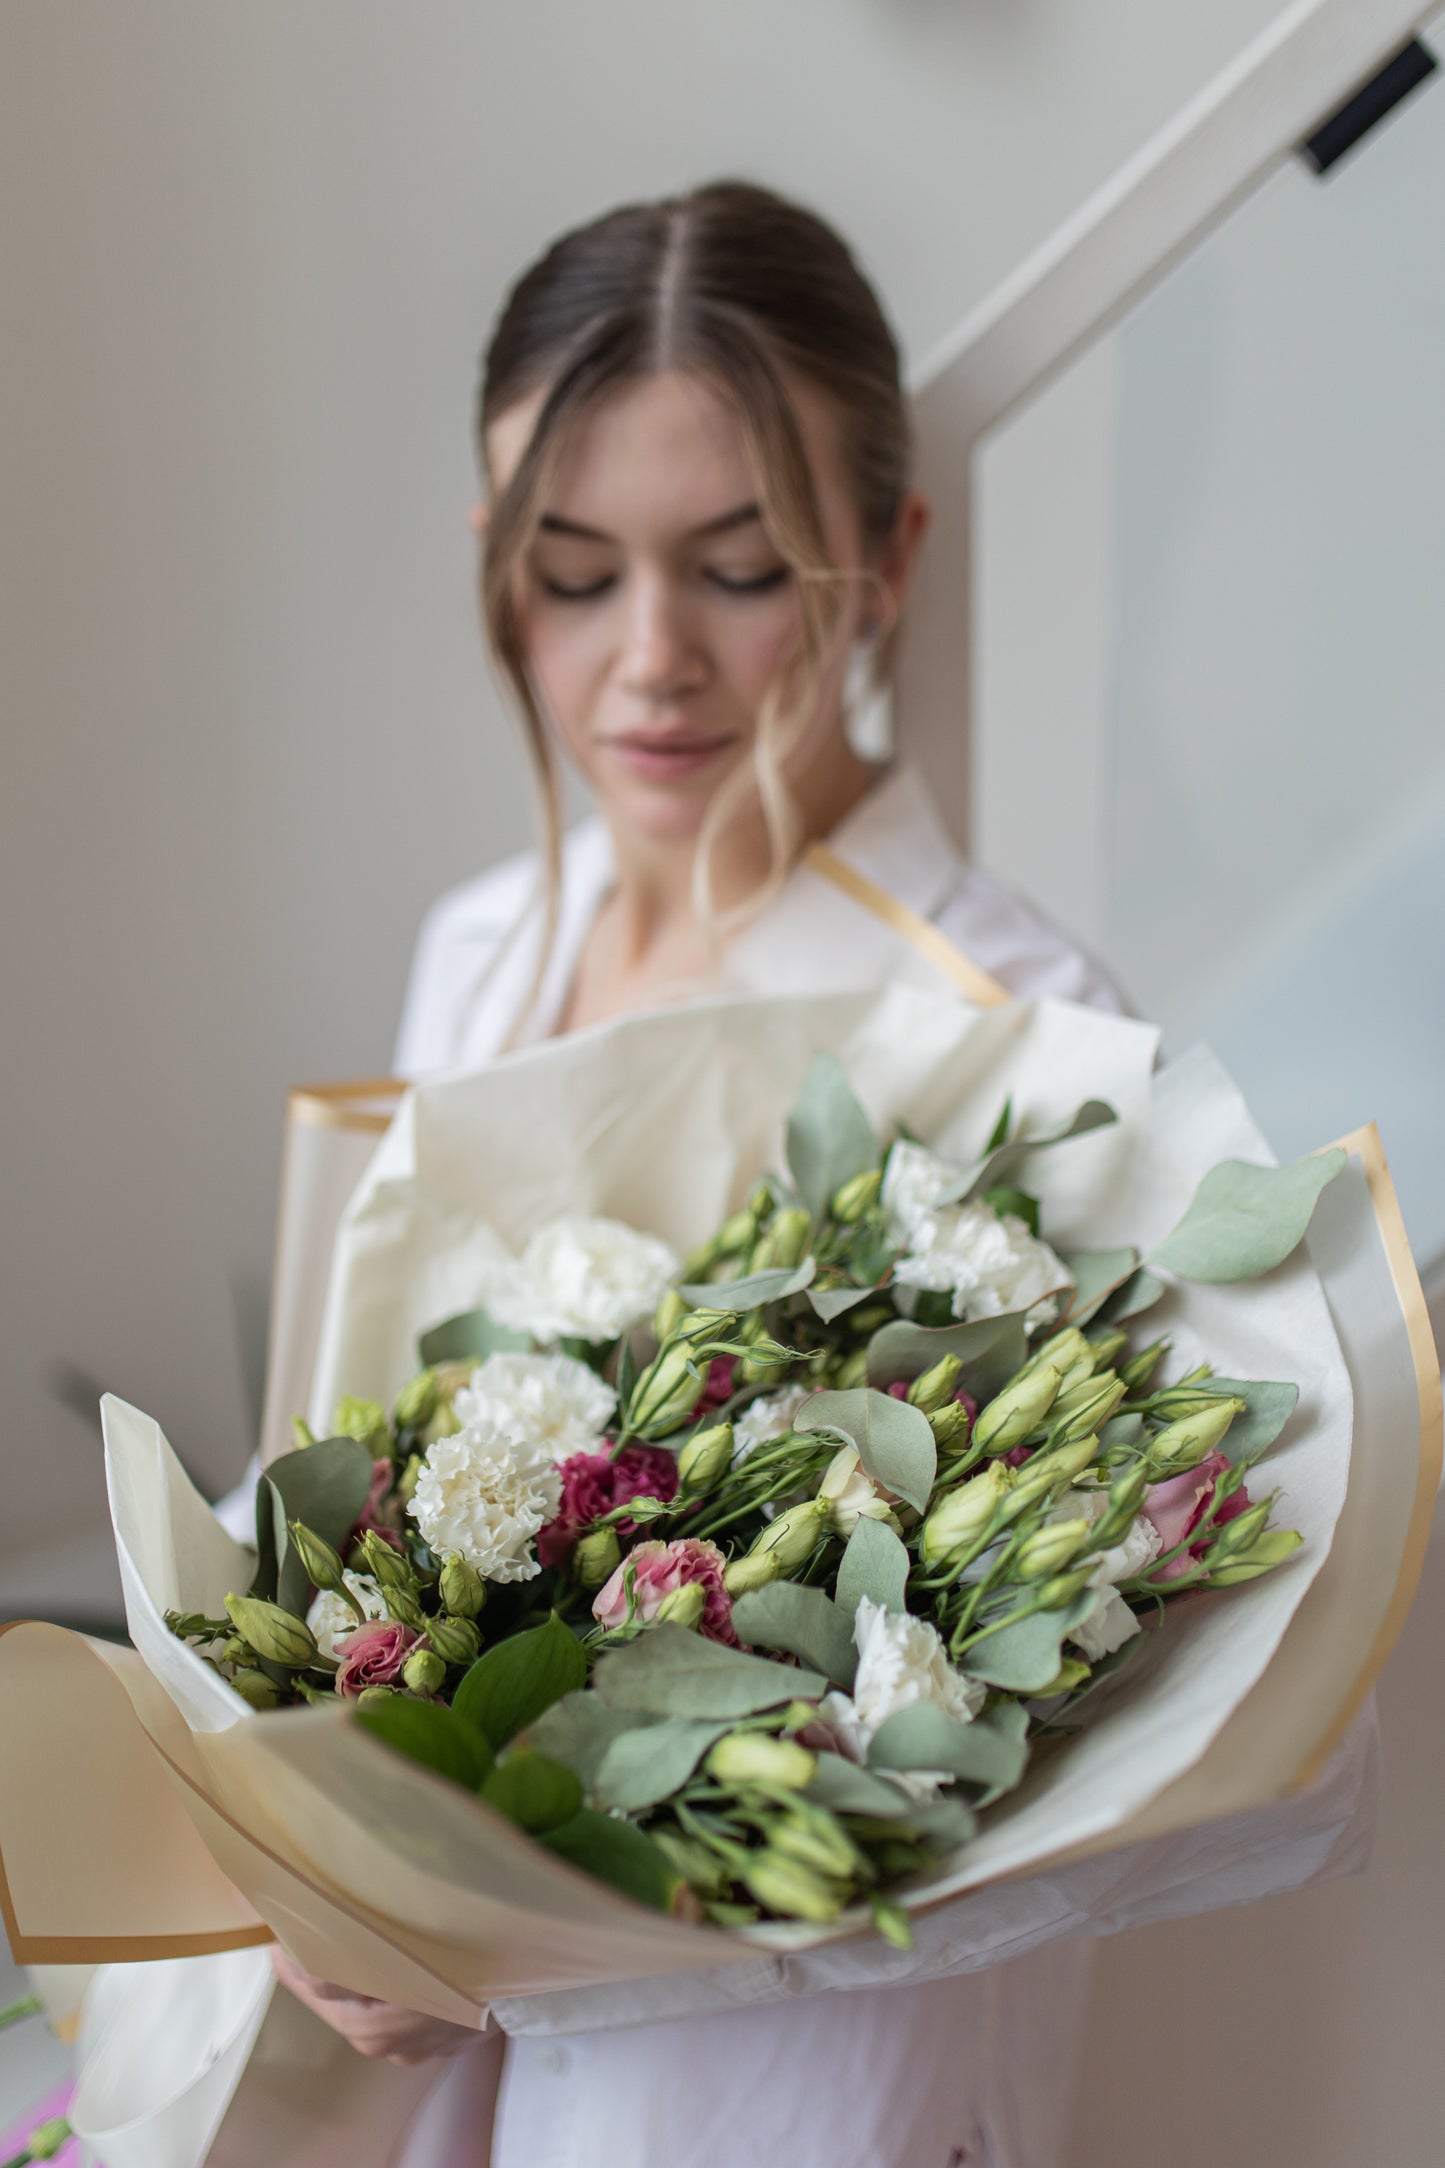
x=1023, y=950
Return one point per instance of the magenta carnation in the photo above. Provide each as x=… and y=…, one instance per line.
x=657, y=1569
x=373, y=1655
x=382, y=1511
x=593, y=1485
x=1178, y=1506
x=718, y=1386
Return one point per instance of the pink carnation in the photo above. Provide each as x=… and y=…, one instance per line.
x=593, y=1485
x=373, y=1655
x=659, y=1569
x=1177, y=1507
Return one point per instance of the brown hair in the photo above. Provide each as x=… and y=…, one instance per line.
x=727, y=281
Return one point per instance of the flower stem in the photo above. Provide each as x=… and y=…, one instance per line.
x=28, y=2006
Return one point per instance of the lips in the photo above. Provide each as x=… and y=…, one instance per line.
x=667, y=759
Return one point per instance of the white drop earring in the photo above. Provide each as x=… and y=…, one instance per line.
x=867, y=706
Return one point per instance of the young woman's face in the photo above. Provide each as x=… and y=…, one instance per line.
x=655, y=611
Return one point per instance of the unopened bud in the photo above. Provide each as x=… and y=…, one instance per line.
x=858, y=1196
x=1063, y=1588
x=256, y=1688
x=669, y=1314
x=949, y=1425
x=810, y=1835
x=1078, y=1414
x=424, y=1672
x=46, y=2140
x=754, y=1757
x=388, y=1567
x=371, y=1695
x=786, y=1886
x=934, y=1389
x=1126, y=1496
x=1047, y=1550
x=705, y=1459
x=402, y=1605
x=273, y=1633
x=1062, y=1351
x=302, y=1434
x=1140, y=1368
x=1017, y=1410
x=322, y=1563
x=667, y=1391
x=461, y=1587
x=1193, y=1438
x=1107, y=1348
x=853, y=1372
x=1240, y=1534
x=455, y=1640
x=792, y=1538
x=784, y=1241
x=1050, y=1470
x=962, y=1516
x=596, y=1557
x=682, y=1607
x=754, y=1570
x=1271, y=1550
x=364, y=1420
x=416, y=1403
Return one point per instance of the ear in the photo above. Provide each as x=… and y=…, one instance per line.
x=901, y=551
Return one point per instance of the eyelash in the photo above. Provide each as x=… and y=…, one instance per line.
x=763, y=585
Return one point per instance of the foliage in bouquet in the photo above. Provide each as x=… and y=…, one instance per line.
x=748, y=1582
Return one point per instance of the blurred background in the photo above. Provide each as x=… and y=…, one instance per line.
x=248, y=259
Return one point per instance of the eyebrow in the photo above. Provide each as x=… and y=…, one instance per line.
x=553, y=523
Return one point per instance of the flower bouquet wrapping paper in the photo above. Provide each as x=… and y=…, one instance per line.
x=152, y=1813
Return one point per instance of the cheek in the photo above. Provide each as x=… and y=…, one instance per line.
x=752, y=642
x=567, y=655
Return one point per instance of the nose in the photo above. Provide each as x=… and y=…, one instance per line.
x=661, y=655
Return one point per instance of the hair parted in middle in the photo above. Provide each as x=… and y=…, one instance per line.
x=731, y=283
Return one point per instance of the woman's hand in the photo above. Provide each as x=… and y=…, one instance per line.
x=373, y=2028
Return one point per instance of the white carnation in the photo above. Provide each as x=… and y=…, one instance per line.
x=767, y=1418
x=585, y=1279
x=986, y=1261
x=901, y=1661
x=551, y=1400
x=330, y=1617
x=484, y=1493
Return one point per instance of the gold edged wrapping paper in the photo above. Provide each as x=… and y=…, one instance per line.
x=911, y=926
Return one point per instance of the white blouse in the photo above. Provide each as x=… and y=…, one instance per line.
x=959, y=2050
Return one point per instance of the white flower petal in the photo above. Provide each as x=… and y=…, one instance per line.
x=484, y=1493
x=551, y=1400
x=329, y=1616
x=585, y=1279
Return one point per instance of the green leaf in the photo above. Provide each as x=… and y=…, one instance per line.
x=668, y=1671
x=652, y=1761
x=615, y=1852
x=579, y=1729
x=471, y=1336
x=1016, y=1201
x=325, y=1485
x=831, y=1302
x=626, y=1375
x=844, y=1788
x=999, y=1133
x=803, y=1622
x=948, y=1823
x=924, y=1736
x=1023, y=1658
x=432, y=1735
x=830, y=1138
x=874, y=1564
x=1096, y=1274
x=532, y=1791
x=894, y=1441
x=1139, y=1292
x=999, y=1165
x=1267, y=1408
x=754, y=1290
x=991, y=1349
x=510, y=1685
x=1245, y=1220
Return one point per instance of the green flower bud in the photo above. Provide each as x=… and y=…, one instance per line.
x=416, y=1403
x=234, y=1650
x=786, y=1886
x=1185, y=1443
x=1071, y=1673
x=1107, y=1349
x=1047, y=1550
x=596, y=1557
x=1064, y=1587
x=424, y=1672
x=852, y=1372
x=949, y=1425
x=668, y=1389
x=386, y=1565
x=371, y=1695
x=858, y=1196
x=1063, y=1351
x=406, y=1488
x=682, y=1607
x=811, y=1836
x=1137, y=1372
x=323, y=1565
x=753, y=1757
x=783, y=1242
x=46, y=2140
x=256, y=1688
x=754, y=1570
x=793, y=1537
x=669, y=1314
x=934, y=1390
x=302, y=1434
x=462, y=1589
x=962, y=1516
x=1085, y=1410
x=1270, y=1551
x=761, y=1202
x=1050, y=1470
x=455, y=1640
x=706, y=1459
x=364, y=1420
x=1177, y=1402
x=1126, y=1496
x=1017, y=1410
x=1240, y=1534
x=402, y=1605
x=273, y=1633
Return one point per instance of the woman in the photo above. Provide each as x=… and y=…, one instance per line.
x=699, y=532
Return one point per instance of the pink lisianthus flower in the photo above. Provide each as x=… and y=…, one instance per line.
x=374, y=1655
x=1177, y=1506
x=381, y=1511
x=656, y=1570
x=719, y=1385
x=592, y=1485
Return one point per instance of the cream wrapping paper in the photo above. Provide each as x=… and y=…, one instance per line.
x=666, y=1121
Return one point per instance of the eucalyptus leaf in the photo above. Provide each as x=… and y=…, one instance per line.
x=829, y=1137
x=803, y=1622
x=615, y=1852
x=831, y=1302
x=1096, y=1274
x=1267, y=1408
x=652, y=1761
x=1016, y=1203
x=948, y=1823
x=430, y=1734
x=668, y=1671
x=923, y=1736
x=844, y=1788
x=1244, y=1220
x=991, y=1349
x=1023, y=1658
x=893, y=1440
x=470, y=1336
x=875, y=1563
x=1122, y=1430
x=999, y=1166
x=510, y=1684
x=533, y=1792
x=1139, y=1293
x=579, y=1729
x=751, y=1292
x=1011, y=1720
x=326, y=1486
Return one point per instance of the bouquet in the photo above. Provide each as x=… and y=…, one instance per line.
x=748, y=1582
